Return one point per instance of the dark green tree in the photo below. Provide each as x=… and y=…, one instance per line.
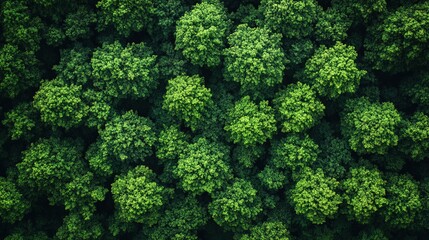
x=125, y=16
x=315, y=196
x=400, y=41
x=403, y=201
x=124, y=71
x=13, y=206
x=254, y=58
x=201, y=33
x=370, y=127
x=48, y=164
x=364, y=193
x=414, y=136
x=294, y=19
x=128, y=137
x=18, y=70
x=268, y=231
x=203, y=167
x=21, y=121
x=295, y=152
x=237, y=206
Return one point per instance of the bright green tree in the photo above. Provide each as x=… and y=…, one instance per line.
x=364, y=193
x=333, y=71
x=203, y=167
x=187, y=99
x=50, y=163
x=129, y=137
x=315, y=196
x=237, y=206
x=60, y=104
x=298, y=108
x=138, y=197
x=171, y=143
x=124, y=71
x=370, y=127
x=255, y=58
x=250, y=124
x=201, y=33
x=295, y=152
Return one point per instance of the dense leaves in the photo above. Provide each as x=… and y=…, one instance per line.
x=214, y=119
x=201, y=33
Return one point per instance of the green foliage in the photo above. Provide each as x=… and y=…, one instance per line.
x=294, y=19
x=295, y=152
x=75, y=227
x=124, y=72
x=247, y=155
x=334, y=157
x=21, y=29
x=332, y=25
x=333, y=71
x=12, y=204
x=400, y=41
x=181, y=220
x=203, y=167
x=414, y=136
x=364, y=193
x=125, y=16
x=129, y=137
x=171, y=143
x=81, y=194
x=187, y=98
x=74, y=66
x=18, y=70
x=298, y=108
x=403, y=201
x=370, y=127
x=315, y=196
x=78, y=24
x=360, y=9
x=250, y=124
x=21, y=121
x=236, y=206
x=138, y=197
x=210, y=119
x=254, y=59
x=60, y=104
x=201, y=33
x=272, y=178
x=268, y=231
x=50, y=163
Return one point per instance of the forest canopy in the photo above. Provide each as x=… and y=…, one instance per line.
x=214, y=119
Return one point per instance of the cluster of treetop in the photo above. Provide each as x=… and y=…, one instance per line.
x=214, y=119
